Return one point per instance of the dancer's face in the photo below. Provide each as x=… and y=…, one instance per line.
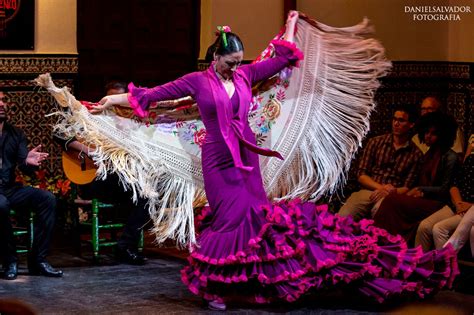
x=227, y=64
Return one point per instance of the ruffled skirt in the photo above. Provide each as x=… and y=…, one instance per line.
x=284, y=250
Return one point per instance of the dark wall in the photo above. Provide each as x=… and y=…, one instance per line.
x=148, y=42
x=409, y=82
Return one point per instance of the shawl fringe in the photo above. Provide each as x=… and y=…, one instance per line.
x=171, y=198
x=348, y=69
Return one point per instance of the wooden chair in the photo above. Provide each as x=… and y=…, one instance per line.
x=80, y=170
x=98, y=229
x=21, y=231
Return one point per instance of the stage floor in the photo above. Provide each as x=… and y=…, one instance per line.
x=156, y=288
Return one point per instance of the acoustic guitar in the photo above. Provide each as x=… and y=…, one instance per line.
x=78, y=167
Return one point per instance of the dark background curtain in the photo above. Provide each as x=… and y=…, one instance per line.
x=148, y=42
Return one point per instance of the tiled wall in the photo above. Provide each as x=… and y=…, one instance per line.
x=408, y=83
x=28, y=104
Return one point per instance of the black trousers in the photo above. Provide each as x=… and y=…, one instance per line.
x=23, y=199
x=110, y=191
x=137, y=219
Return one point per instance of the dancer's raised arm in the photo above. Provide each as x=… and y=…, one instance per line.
x=109, y=101
x=286, y=54
x=290, y=26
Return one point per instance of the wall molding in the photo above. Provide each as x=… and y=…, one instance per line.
x=423, y=69
x=36, y=64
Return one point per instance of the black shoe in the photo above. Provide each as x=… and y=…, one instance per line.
x=129, y=256
x=11, y=271
x=44, y=269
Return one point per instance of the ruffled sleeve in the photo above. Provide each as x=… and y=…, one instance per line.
x=287, y=50
x=286, y=54
x=138, y=100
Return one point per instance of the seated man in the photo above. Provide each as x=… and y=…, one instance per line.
x=110, y=191
x=389, y=164
x=13, y=145
x=402, y=213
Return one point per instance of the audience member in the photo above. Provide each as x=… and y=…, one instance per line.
x=438, y=227
x=464, y=231
x=389, y=164
x=432, y=104
x=401, y=214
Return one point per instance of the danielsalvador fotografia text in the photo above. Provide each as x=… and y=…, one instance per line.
x=437, y=13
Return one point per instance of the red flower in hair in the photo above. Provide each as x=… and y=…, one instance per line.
x=223, y=29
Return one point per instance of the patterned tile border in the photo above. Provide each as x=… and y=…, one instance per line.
x=28, y=64
x=431, y=70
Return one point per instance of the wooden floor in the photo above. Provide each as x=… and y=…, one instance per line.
x=155, y=288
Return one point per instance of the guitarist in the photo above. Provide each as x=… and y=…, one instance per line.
x=110, y=191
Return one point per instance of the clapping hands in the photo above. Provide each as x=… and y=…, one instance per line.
x=35, y=157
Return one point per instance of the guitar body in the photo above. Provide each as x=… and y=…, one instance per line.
x=78, y=167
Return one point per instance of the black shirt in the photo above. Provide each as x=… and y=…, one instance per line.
x=14, y=151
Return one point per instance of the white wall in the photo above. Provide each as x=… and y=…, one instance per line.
x=403, y=37
x=255, y=21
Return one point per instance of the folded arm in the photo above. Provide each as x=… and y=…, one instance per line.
x=446, y=175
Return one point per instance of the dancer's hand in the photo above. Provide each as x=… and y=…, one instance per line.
x=292, y=18
x=105, y=103
x=109, y=101
x=290, y=25
x=35, y=157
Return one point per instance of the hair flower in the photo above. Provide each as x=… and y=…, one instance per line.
x=221, y=31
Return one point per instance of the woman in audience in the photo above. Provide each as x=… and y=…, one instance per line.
x=463, y=231
x=437, y=227
x=401, y=213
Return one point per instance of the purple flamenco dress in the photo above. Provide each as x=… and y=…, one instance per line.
x=264, y=252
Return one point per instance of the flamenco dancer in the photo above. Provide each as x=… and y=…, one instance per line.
x=263, y=251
